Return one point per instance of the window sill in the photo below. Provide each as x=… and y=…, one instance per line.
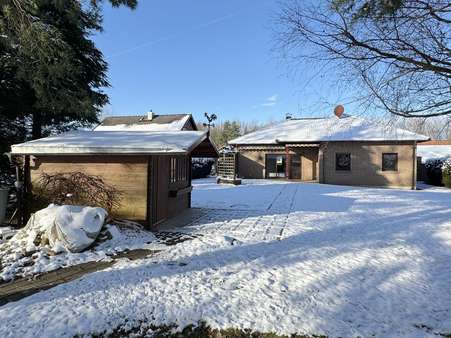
x=180, y=192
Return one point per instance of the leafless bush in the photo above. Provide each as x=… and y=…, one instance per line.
x=77, y=188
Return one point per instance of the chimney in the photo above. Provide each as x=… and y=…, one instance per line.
x=339, y=110
x=150, y=115
x=288, y=116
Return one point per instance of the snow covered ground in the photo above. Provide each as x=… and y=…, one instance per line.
x=274, y=256
x=19, y=257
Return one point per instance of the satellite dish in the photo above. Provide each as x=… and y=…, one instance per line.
x=339, y=110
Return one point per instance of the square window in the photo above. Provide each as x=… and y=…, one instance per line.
x=389, y=162
x=343, y=161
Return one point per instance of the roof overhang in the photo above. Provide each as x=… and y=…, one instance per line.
x=301, y=145
x=114, y=143
x=206, y=149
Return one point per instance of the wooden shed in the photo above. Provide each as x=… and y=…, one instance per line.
x=152, y=170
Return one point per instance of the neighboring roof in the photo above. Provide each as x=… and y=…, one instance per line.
x=431, y=151
x=113, y=142
x=437, y=142
x=326, y=129
x=169, y=122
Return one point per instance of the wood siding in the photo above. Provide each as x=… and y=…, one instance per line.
x=148, y=196
x=182, y=198
x=159, y=189
x=126, y=173
x=161, y=205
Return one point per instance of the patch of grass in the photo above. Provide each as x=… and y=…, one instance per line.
x=191, y=331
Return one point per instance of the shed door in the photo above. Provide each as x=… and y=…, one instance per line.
x=159, y=189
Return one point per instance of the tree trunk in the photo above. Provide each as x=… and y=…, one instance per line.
x=36, y=131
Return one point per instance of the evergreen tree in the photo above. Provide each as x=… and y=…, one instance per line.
x=225, y=132
x=51, y=73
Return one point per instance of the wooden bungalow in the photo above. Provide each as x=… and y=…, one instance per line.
x=152, y=170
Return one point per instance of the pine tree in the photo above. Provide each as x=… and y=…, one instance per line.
x=51, y=73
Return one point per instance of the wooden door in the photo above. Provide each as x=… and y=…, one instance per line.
x=159, y=189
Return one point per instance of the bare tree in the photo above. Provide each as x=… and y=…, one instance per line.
x=397, y=50
x=437, y=128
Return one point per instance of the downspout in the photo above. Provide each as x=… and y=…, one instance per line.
x=414, y=169
x=322, y=172
x=26, y=191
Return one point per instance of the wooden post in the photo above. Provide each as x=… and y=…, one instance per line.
x=190, y=159
x=26, y=192
x=235, y=166
x=414, y=169
x=321, y=178
x=288, y=164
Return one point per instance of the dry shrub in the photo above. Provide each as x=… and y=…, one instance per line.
x=77, y=188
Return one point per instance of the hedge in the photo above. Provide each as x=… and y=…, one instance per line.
x=446, y=173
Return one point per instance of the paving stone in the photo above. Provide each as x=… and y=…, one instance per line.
x=22, y=288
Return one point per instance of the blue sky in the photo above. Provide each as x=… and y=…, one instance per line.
x=195, y=56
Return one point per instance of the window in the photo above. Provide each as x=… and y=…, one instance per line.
x=173, y=169
x=343, y=161
x=275, y=165
x=178, y=169
x=389, y=162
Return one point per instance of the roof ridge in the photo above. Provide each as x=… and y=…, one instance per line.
x=141, y=115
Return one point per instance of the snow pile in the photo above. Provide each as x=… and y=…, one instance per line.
x=20, y=257
x=126, y=235
x=6, y=233
x=55, y=229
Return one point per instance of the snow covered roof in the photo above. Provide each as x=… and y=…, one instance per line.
x=113, y=142
x=169, y=122
x=429, y=152
x=347, y=128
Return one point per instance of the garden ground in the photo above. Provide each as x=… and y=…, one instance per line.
x=272, y=257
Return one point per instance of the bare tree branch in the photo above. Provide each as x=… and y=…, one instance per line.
x=399, y=51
